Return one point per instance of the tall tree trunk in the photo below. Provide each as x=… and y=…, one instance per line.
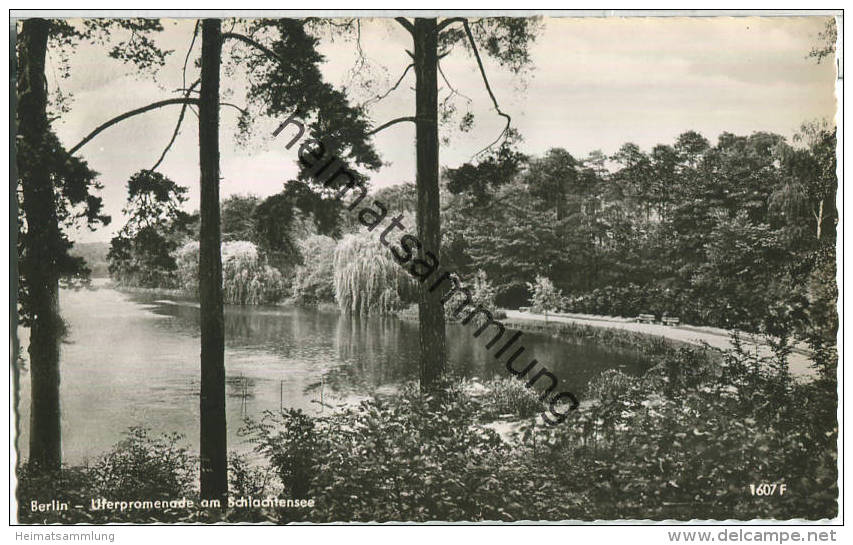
x=433, y=352
x=39, y=246
x=214, y=462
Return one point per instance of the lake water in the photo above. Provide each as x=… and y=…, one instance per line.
x=134, y=359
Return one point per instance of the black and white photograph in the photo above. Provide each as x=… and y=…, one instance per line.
x=419, y=266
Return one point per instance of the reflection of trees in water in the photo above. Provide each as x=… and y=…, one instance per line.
x=365, y=353
x=467, y=355
x=269, y=324
x=184, y=318
x=374, y=351
x=574, y=364
x=253, y=325
x=243, y=326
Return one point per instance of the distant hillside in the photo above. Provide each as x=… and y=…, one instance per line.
x=95, y=254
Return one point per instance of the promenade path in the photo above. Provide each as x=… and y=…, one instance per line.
x=714, y=337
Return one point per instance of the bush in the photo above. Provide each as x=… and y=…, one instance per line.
x=246, y=479
x=509, y=395
x=687, y=441
x=249, y=480
x=684, y=441
x=610, y=384
x=544, y=296
x=482, y=292
x=145, y=467
x=140, y=467
x=482, y=296
x=70, y=484
x=412, y=458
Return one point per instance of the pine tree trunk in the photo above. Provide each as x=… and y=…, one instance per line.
x=40, y=242
x=433, y=352
x=214, y=462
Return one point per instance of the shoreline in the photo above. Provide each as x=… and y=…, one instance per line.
x=799, y=362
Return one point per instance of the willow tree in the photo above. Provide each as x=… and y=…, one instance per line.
x=367, y=280
x=507, y=41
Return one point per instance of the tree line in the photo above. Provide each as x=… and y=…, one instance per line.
x=735, y=234
x=738, y=234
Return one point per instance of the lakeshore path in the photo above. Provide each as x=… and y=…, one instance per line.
x=800, y=364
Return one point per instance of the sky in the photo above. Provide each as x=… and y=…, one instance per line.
x=594, y=84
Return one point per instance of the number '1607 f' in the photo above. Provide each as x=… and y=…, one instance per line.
x=765, y=489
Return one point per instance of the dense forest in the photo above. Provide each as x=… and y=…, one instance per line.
x=739, y=234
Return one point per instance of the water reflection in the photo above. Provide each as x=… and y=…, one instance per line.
x=135, y=360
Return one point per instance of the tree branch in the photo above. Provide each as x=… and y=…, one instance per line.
x=377, y=98
x=257, y=45
x=453, y=90
x=406, y=24
x=238, y=108
x=122, y=117
x=177, y=127
x=388, y=124
x=361, y=58
x=488, y=87
x=187, y=58
x=447, y=22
